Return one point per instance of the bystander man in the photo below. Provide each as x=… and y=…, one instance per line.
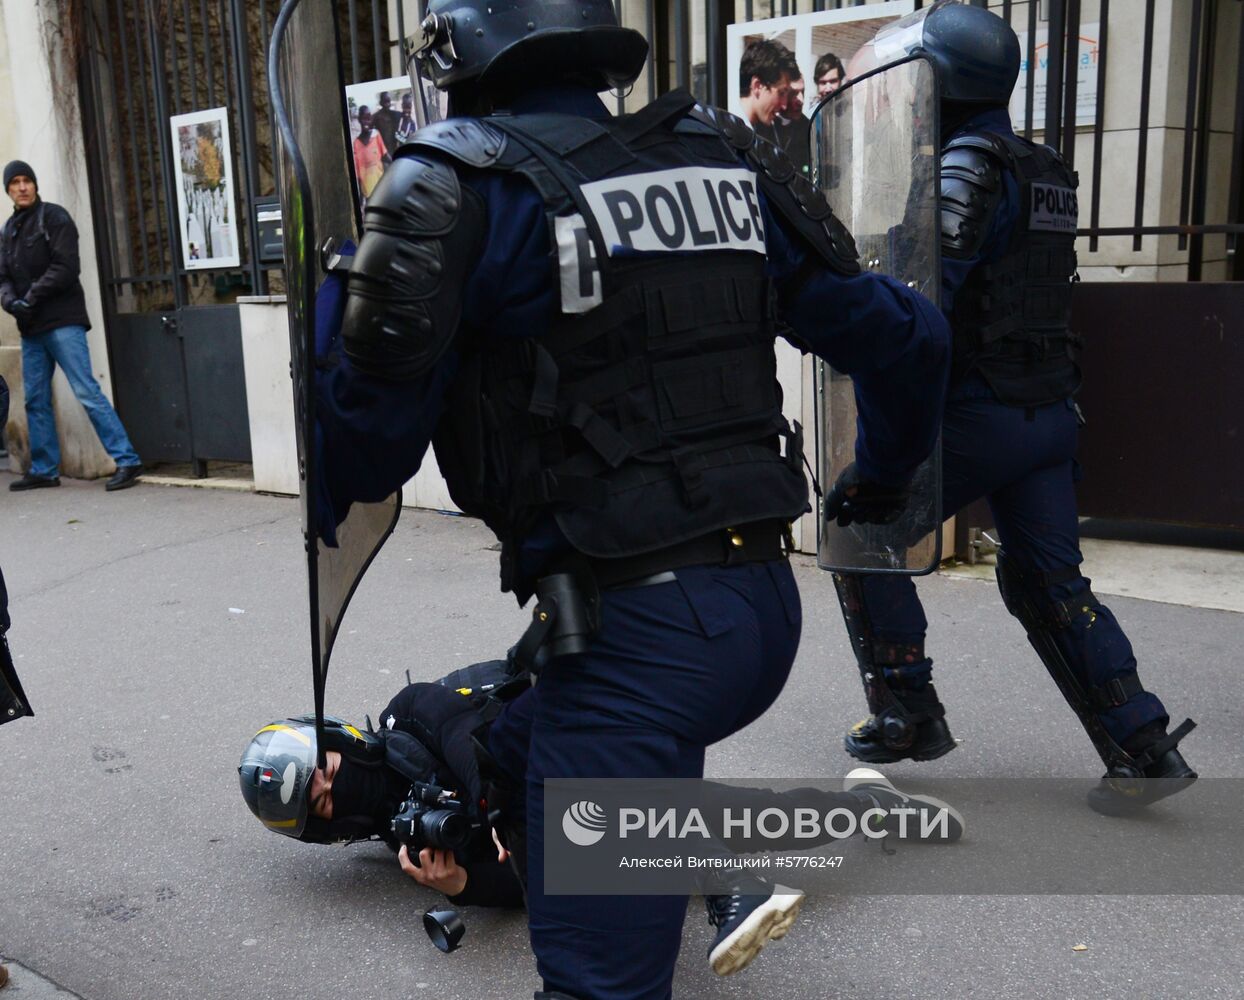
x=39, y=286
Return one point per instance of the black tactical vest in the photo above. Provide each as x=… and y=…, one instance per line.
x=1010, y=318
x=650, y=412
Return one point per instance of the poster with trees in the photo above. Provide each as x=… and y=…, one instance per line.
x=207, y=213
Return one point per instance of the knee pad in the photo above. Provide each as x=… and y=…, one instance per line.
x=1028, y=595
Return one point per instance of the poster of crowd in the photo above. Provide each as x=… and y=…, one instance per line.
x=784, y=67
x=382, y=117
x=206, y=209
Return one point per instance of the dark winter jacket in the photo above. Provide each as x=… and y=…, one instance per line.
x=442, y=721
x=39, y=263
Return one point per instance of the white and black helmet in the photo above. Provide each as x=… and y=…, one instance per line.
x=276, y=767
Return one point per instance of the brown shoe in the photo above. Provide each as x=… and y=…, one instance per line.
x=4, y=975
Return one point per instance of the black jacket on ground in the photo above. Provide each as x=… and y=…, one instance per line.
x=442, y=721
x=39, y=263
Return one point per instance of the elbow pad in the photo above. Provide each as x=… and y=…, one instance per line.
x=422, y=232
x=971, y=189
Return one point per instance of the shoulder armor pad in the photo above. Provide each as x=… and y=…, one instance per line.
x=788, y=193
x=467, y=140
x=731, y=127
x=691, y=125
x=408, y=756
x=803, y=207
x=415, y=197
x=421, y=234
x=972, y=140
x=771, y=160
x=971, y=187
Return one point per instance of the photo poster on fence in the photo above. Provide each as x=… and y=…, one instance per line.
x=1086, y=78
x=382, y=117
x=825, y=40
x=206, y=198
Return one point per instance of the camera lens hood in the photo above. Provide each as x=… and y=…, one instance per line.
x=445, y=927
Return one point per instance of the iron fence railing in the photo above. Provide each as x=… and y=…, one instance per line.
x=150, y=59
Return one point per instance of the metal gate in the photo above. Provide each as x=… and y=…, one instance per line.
x=174, y=334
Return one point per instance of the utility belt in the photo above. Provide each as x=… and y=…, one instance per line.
x=567, y=610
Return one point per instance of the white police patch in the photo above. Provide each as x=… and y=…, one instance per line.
x=1054, y=209
x=576, y=263
x=679, y=210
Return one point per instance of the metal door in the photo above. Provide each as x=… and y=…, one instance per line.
x=173, y=333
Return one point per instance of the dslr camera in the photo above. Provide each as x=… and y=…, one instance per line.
x=431, y=817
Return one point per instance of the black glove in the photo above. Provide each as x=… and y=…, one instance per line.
x=20, y=308
x=856, y=500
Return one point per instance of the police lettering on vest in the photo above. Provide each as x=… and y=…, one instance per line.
x=1054, y=209
x=681, y=210
x=690, y=208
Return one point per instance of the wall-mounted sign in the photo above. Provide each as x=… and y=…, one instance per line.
x=1086, y=78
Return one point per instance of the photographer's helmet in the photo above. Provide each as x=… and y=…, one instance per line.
x=976, y=52
x=504, y=43
x=276, y=767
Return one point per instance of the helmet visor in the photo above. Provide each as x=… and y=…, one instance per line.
x=904, y=36
x=275, y=774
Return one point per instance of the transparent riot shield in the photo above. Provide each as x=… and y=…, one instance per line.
x=876, y=157
x=317, y=204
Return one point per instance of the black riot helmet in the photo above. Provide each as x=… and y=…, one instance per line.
x=275, y=775
x=976, y=52
x=500, y=44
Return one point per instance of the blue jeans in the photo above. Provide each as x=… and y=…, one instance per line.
x=41, y=353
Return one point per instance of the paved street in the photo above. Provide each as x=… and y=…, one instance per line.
x=156, y=629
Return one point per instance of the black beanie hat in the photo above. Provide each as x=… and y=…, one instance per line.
x=18, y=168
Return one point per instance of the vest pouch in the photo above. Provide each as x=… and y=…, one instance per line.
x=469, y=448
x=715, y=391
x=694, y=310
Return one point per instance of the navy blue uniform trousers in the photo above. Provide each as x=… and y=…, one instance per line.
x=674, y=668
x=1023, y=462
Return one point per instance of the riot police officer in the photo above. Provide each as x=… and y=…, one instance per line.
x=1009, y=433
x=578, y=311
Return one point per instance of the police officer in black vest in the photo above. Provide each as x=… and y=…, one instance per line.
x=1009, y=432
x=578, y=312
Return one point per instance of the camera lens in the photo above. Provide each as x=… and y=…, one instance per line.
x=445, y=828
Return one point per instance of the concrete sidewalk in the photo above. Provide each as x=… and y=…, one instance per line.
x=1190, y=576
x=155, y=629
